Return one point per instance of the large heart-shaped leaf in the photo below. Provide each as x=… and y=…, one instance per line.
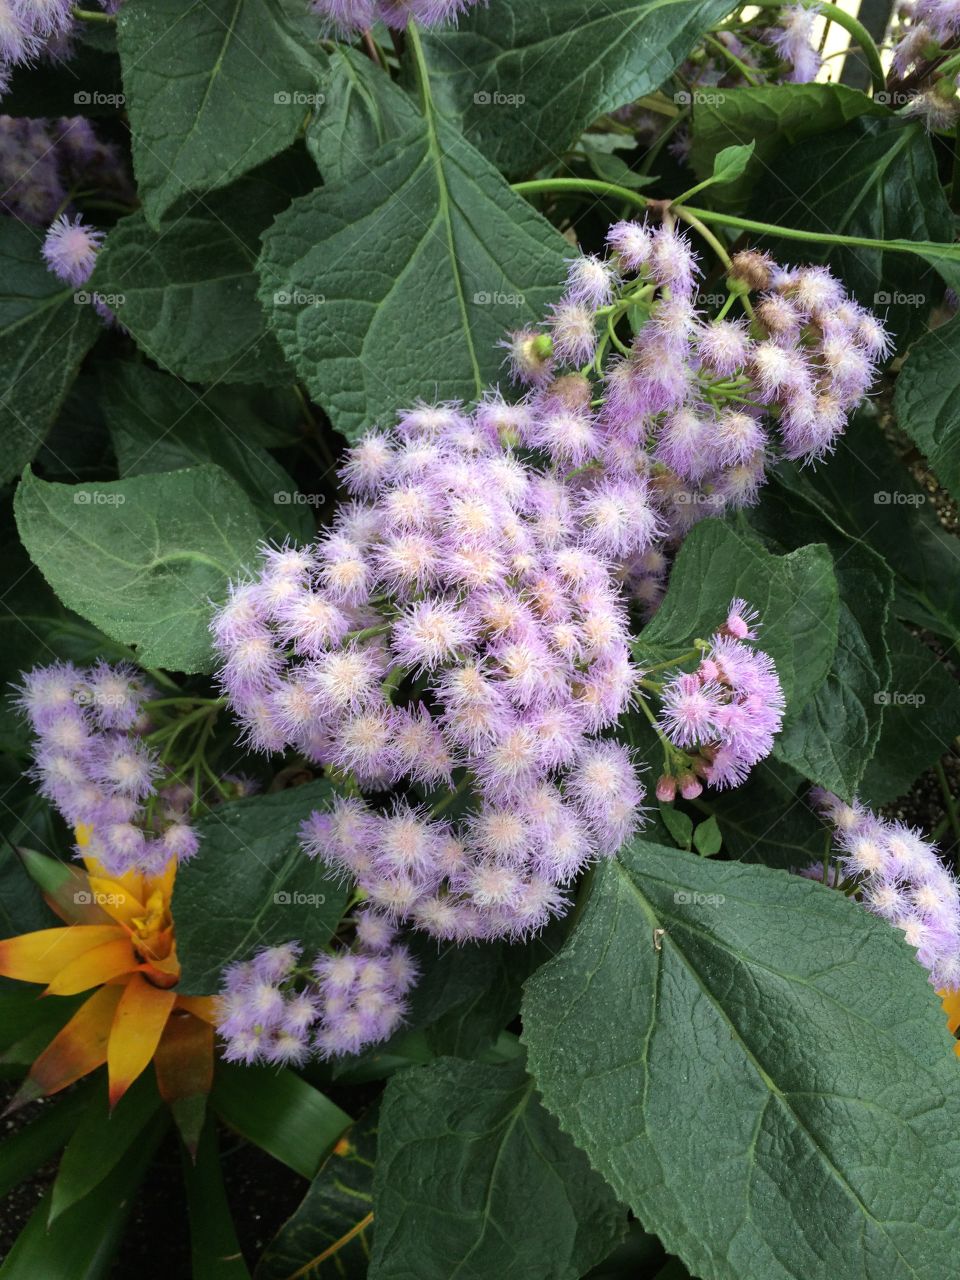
x=45, y=331
x=213, y=87
x=527, y=79
x=282, y=895
x=462, y=1147
x=142, y=558
x=400, y=282
x=758, y=1066
x=927, y=400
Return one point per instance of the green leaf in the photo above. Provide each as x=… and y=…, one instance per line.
x=832, y=737
x=29, y=1022
x=775, y=116
x=282, y=893
x=769, y=818
x=214, y=88
x=527, y=79
x=462, y=1147
x=870, y=496
x=452, y=258
x=215, y=1250
x=876, y=178
x=187, y=293
x=82, y=1243
x=707, y=839
x=679, y=824
x=795, y=594
x=611, y=168
x=142, y=558
x=757, y=1066
x=101, y=1140
x=362, y=109
x=329, y=1233
x=731, y=162
x=40, y=1140
x=280, y=1112
x=44, y=335
x=159, y=424
x=927, y=401
x=921, y=718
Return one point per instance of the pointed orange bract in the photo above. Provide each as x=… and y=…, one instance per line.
x=39, y=957
x=118, y=901
x=203, y=1007
x=96, y=966
x=951, y=1007
x=137, y=1027
x=78, y=1047
x=127, y=1022
x=184, y=1057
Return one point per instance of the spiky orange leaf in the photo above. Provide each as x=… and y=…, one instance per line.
x=137, y=1027
x=78, y=1047
x=98, y=965
x=39, y=956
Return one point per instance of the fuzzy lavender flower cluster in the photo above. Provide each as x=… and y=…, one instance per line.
x=724, y=716
x=32, y=29
x=458, y=616
x=41, y=161
x=92, y=764
x=929, y=28
x=793, y=40
x=272, y=1011
x=350, y=16
x=898, y=876
x=689, y=410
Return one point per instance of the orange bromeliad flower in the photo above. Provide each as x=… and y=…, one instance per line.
x=951, y=1007
x=119, y=938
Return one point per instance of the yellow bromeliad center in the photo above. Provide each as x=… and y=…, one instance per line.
x=119, y=938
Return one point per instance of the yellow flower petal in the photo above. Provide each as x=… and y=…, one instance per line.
x=39, y=957
x=94, y=967
x=137, y=1027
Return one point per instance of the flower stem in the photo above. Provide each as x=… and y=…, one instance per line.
x=597, y=187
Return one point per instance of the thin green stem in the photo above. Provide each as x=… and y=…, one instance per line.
x=87, y=15
x=184, y=701
x=673, y=662
x=368, y=632
x=686, y=215
x=732, y=58
x=541, y=185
